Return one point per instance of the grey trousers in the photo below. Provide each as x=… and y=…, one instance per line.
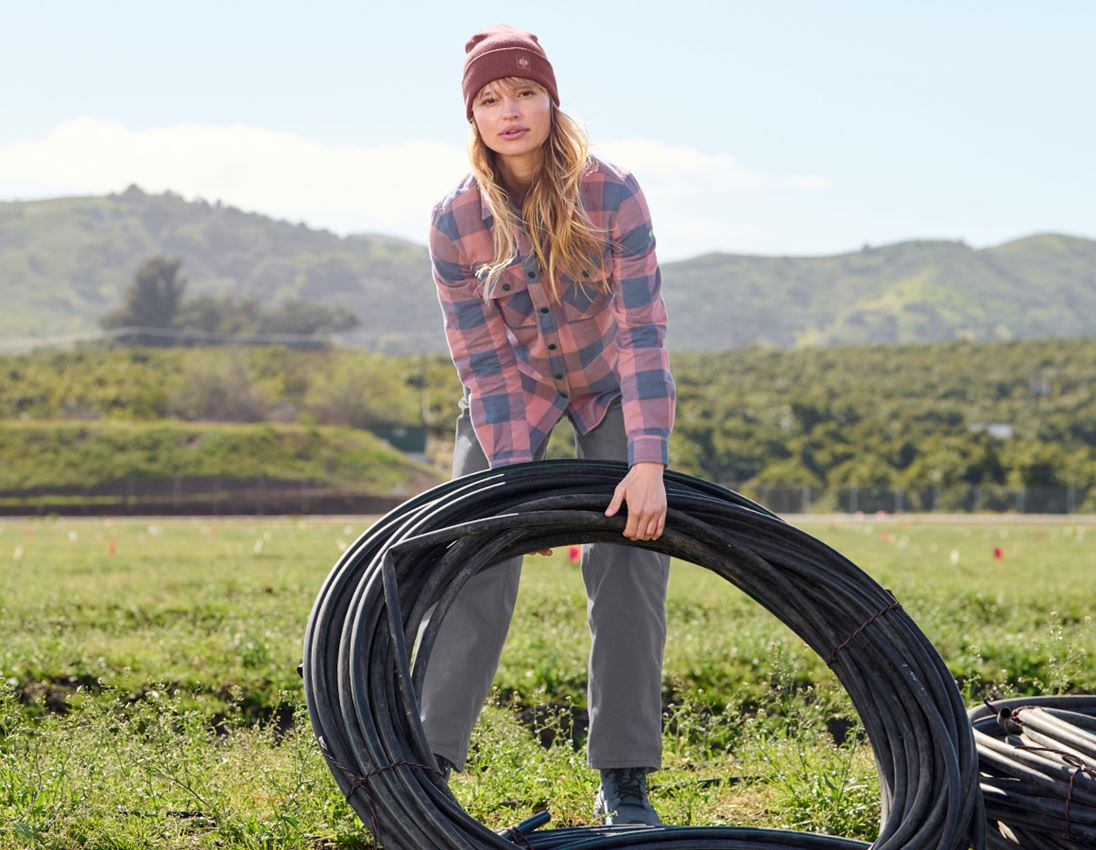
x=626, y=612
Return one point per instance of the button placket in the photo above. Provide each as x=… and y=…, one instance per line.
x=547, y=325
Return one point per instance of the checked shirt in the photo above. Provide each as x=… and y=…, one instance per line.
x=526, y=360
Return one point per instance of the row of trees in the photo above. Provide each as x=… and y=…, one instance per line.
x=155, y=313
x=946, y=416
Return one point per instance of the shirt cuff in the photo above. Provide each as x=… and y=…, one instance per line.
x=648, y=450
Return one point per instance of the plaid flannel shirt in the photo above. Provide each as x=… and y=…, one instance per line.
x=526, y=360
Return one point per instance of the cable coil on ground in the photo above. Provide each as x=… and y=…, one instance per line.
x=1038, y=763
x=362, y=689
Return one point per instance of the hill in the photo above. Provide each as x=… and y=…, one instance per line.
x=924, y=291
x=65, y=262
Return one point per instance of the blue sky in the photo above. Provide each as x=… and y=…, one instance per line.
x=769, y=128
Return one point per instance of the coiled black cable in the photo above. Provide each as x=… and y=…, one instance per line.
x=362, y=690
x=1038, y=763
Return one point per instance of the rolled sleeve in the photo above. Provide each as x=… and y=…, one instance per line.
x=480, y=348
x=646, y=385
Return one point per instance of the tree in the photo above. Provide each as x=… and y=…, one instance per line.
x=218, y=315
x=303, y=317
x=152, y=301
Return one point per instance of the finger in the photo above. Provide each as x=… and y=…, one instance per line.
x=650, y=529
x=631, y=530
x=617, y=501
x=661, y=525
x=544, y=551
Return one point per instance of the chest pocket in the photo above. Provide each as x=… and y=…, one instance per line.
x=511, y=296
x=585, y=299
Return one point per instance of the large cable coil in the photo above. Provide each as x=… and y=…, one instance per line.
x=362, y=688
x=1038, y=764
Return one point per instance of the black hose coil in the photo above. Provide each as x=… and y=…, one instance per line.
x=1038, y=763
x=362, y=691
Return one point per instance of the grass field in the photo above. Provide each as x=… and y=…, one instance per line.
x=149, y=696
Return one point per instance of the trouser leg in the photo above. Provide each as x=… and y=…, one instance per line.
x=626, y=609
x=466, y=653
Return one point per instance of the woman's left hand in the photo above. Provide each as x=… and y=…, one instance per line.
x=644, y=493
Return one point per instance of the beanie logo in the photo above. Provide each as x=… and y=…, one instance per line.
x=523, y=63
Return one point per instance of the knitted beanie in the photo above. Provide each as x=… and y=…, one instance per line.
x=502, y=51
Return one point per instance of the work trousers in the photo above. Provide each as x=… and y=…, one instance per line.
x=626, y=612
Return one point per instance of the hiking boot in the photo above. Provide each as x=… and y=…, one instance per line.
x=622, y=797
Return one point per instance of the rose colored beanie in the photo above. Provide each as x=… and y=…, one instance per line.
x=502, y=51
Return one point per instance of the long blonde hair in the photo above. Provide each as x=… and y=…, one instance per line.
x=564, y=239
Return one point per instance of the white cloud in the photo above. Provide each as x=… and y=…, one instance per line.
x=696, y=196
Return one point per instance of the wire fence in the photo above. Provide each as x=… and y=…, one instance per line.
x=197, y=496
x=220, y=495
x=976, y=498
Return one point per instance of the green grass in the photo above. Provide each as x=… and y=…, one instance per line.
x=149, y=698
x=60, y=453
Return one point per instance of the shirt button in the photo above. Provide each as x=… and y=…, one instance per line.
x=544, y=309
x=532, y=275
x=551, y=346
x=563, y=395
x=506, y=287
x=558, y=376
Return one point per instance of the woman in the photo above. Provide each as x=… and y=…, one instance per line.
x=551, y=294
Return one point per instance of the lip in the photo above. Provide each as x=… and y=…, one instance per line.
x=514, y=133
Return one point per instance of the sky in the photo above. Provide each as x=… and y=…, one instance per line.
x=775, y=128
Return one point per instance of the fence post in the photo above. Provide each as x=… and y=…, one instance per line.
x=1021, y=501
x=805, y=507
x=1071, y=499
x=130, y=497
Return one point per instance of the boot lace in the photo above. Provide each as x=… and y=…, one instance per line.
x=630, y=786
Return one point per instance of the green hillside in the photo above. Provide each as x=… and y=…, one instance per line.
x=93, y=454
x=66, y=262
x=1040, y=286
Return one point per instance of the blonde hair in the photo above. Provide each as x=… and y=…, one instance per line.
x=565, y=241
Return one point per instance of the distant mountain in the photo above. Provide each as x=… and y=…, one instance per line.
x=1038, y=286
x=65, y=262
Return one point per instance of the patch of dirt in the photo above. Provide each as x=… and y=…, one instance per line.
x=549, y=721
x=52, y=695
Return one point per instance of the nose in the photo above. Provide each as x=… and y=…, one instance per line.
x=510, y=105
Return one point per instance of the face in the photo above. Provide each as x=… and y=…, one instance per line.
x=513, y=120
